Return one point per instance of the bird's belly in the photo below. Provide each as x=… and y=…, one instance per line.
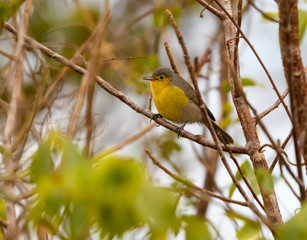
x=170, y=103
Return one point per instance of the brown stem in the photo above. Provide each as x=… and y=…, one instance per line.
x=247, y=122
x=170, y=57
x=296, y=79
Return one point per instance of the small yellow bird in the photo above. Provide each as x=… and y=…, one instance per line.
x=176, y=101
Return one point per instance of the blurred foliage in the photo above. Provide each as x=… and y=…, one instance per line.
x=250, y=230
x=227, y=109
x=302, y=18
x=295, y=228
x=246, y=82
x=196, y=229
x=166, y=144
x=7, y=9
x=248, y=172
x=111, y=196
x=265, y=178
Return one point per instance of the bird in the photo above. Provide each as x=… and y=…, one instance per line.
x=176, y=100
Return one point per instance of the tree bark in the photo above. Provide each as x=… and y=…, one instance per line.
x=246, y=119
x=296, y=79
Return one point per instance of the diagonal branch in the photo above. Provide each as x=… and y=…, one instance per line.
x=193, y=187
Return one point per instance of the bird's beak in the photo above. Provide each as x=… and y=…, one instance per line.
x=149, y=78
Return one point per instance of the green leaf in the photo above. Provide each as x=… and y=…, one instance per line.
x=42, y=163
x=249, y=174
x=274, y=15
x=157, y=205
x=265, y=179
x=167, y=144
x=196, y=229
x=226, y=86
x=71, y=155
x=295, y=228
x=247, y=82
x=78, y=222
x=168, y=147
x=2, y=209
x=248, y=171
x=250, y=230
x=8, y=8
x=118, y=181
x=302, y=17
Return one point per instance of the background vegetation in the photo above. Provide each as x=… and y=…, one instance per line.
x=80, y=158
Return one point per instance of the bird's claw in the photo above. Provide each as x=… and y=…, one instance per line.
x=179, y=129
x=155, y=116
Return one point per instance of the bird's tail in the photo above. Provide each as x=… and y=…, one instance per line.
x=222, y=135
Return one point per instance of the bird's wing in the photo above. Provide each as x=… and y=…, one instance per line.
x=189, y=92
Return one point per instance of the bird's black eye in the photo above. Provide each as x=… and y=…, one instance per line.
x=161, y=77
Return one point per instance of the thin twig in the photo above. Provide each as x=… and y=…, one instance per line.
x=273, y=106
x=251, y=2
x=170, y=57
x=198, y=65
x=10, y=56
x=237, y=38
x=283, y=147
x=120, y=58
x=191, y=185
x=124, y=143
x=182, y=44
x=246, y=181
x=208, y=5
x=289, y=185
x=3, y=223
x=134, y=22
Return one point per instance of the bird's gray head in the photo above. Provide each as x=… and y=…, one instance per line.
x=160, y=74
x=163, y=71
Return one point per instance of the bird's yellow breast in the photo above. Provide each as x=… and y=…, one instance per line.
x=169, y=100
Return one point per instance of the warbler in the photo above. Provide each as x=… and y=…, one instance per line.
x=176, y=101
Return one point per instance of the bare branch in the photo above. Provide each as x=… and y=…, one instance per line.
x=170, y=57
x=296, y=79
x=208, y=5
x=124, y=143
x=251, y=2
x=192, y=186
x=272, y=107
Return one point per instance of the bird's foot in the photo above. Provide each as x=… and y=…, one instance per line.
x=179, y=129
x=155, y=116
